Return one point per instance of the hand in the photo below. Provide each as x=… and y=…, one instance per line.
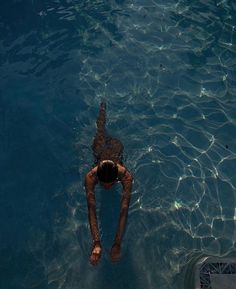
x=115, y=252
x=96, y=254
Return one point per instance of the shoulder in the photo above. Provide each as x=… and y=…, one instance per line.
x=90, y=177
x=124, y=174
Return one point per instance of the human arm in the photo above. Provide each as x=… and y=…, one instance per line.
x=92, y=216
x=126, y=196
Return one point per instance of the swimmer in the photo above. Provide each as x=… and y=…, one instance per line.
x=108, y=169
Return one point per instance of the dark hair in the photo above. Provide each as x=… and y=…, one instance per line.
x=107, y=172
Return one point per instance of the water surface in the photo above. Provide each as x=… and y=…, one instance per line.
x=167, y=71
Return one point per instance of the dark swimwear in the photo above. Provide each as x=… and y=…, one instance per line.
x=104, y=146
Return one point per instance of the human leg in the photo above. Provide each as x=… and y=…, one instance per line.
x=100, y=137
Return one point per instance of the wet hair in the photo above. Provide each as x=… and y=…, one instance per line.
x=107, y=172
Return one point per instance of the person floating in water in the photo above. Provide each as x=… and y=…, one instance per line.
x=107, y=170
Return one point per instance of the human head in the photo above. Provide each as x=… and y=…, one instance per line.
x=107, y=171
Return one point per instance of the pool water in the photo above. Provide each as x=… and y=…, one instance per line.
x=167, y=71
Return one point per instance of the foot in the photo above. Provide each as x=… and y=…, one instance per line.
x=96, y=254
x=115, y=252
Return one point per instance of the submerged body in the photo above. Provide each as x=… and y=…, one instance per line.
x=107, y=151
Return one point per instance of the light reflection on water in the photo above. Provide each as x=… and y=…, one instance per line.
x=167, y=72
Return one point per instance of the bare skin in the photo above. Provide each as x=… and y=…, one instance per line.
x=96, y=254
x=90, y=183
x=115, y=252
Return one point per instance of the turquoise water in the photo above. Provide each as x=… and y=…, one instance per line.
x=167, y=71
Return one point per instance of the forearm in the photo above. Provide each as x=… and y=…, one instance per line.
x=92, y=216
x=121, y=226
x=123, y=218
x=93, y=223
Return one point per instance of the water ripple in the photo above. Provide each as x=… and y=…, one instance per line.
x=167, y=71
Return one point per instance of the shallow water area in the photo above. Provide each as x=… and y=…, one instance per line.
x=167, y=71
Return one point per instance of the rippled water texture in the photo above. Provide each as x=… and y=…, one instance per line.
x=167, y=71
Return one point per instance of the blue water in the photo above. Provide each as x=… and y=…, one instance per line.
x=167, y=71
